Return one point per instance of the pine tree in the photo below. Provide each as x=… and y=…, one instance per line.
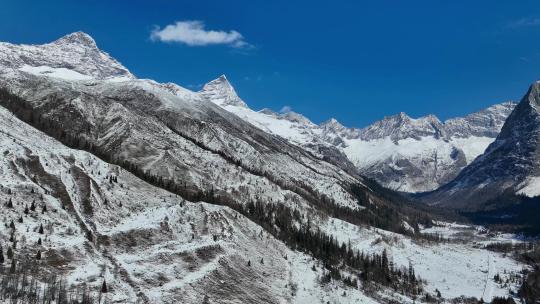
x=38, y=255
x=26, y=211
x=40, y=228
x=33, y=206
x=12, y=225
x=1, y=256
x=104, y=288
x=39, y=242
x=44, y=209
x=249, y=263
x=13, y=267
x=20, y=219
x=10, y=203
x=10, y=253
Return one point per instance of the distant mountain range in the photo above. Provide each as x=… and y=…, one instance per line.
x=401, y=153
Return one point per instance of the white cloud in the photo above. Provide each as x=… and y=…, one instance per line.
x=285, y=109
x=524, y=22
x=193, y=33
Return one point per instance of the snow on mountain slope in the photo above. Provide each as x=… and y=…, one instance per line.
x=400, y=152
x=148, y=244
x=510, y=165
x=183, y=139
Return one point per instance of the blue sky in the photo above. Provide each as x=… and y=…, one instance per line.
x=356, y=61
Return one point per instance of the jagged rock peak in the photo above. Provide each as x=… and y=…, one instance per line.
x=221, y=92
x=79, y=37
x=296, y=117
x=76, y=52
x=332, y=124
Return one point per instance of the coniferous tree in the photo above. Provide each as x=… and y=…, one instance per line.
x=104, y=288
x=40, y=229
x=33, y=206
x=38, y=255
x=13, y=266
x=1, y=256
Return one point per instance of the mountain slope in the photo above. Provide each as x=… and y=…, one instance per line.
x=401, y=153
x=103, y=223
x=510, y=165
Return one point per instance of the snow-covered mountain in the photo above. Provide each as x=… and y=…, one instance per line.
x=401, y=153
x=75, y=55
x=510, y=165
x=170, y=198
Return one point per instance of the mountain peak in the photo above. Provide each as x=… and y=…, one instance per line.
x=79, y=37
x=76, y=52
x=221, y=92
x=332, y=124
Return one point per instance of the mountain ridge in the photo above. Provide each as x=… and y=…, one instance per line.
x=400, y=152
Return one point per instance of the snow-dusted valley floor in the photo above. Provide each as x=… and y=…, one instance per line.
x=102, y=223
x=459, y=267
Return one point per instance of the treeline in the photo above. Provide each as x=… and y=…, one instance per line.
x=530, y=289
x=529, y=253
x=281, y=222
x=29, y=283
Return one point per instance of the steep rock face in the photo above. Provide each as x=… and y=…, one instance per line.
x=510, y=165
x=401, y=126
x=486, y=122
x=222, y=93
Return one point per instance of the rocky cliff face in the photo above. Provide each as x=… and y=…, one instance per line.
x=510, y=164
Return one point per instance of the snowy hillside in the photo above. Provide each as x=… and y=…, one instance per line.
x=146, y=243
